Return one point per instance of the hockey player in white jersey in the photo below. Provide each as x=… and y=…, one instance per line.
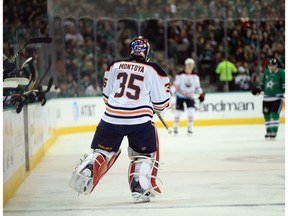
x=187, y=85
x=133, y=90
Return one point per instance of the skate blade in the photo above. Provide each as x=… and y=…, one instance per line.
x=140, y=198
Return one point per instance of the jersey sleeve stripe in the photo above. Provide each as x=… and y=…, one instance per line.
x=160, y=108
x=160, y=103
x=105, y=96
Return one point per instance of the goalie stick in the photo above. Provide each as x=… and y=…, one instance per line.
x=163, y=122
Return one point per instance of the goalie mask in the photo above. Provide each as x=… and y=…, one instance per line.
x=139, y=48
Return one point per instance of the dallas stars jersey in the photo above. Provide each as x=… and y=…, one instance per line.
x=133, y=89
x=187, y=84
x=273, y=85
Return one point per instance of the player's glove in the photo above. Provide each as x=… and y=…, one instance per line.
x=17, y=100
x=256, y=90
x=201, y=97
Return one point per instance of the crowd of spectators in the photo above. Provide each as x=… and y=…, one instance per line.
x=23, y=20
x=18, y=15
x=201, y=9
x=247, y=32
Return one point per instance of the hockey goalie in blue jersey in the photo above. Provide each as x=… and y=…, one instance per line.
x=133, y=90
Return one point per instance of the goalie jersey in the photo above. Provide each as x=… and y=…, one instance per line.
x=132, y=90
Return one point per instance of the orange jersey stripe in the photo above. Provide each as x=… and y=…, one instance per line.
x=129, y=112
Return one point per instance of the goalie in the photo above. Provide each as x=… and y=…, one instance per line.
x=133, y=90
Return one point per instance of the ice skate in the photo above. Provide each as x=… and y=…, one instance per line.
x=273, y=136
x=175, y=131
x=270, y=136
x=141, y=198
x=138, y=193
x=267, y=136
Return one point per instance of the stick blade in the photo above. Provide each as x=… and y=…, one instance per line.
x=19, y=80
x=48, y=87
x=10, y=84
x=39, y=40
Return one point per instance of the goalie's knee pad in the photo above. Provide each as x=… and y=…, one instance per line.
x=91, y=169
x=143, y=175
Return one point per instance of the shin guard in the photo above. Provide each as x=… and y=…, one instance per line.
x=143, y=176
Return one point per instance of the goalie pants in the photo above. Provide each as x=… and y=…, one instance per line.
x=141, y=137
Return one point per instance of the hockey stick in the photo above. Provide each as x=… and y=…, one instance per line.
x=32, y=73
x=30, y=41
x=53, y=88
x=40, y=95
x=27, y=60
x=45, y=73
x=43, y=98
x=163, y=122
x=48, y=87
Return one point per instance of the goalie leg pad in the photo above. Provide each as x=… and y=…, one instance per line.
x=90, y=170
x=143, y=175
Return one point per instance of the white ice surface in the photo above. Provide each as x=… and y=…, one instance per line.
x=218, y=171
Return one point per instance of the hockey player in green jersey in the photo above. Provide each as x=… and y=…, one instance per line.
x=273, y=86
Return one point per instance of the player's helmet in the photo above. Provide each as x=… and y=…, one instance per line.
x=273, y=61
x=139, y=48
